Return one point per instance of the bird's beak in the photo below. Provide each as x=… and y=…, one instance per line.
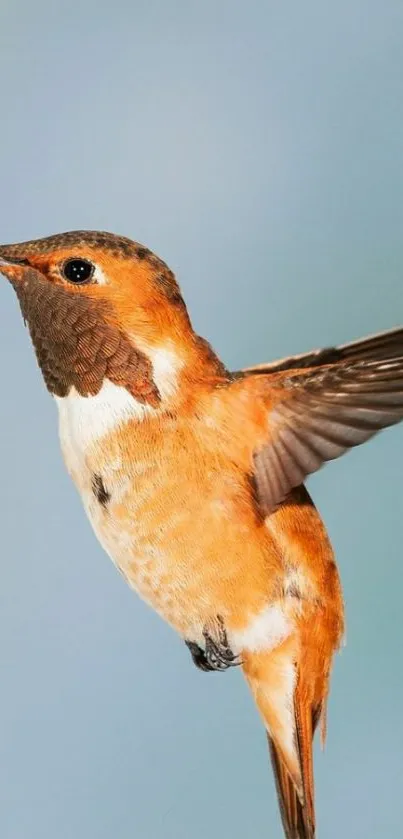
x=6, y=262
x=12, y=267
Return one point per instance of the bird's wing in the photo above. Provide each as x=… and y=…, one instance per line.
x=316, y=414
x=361, y=350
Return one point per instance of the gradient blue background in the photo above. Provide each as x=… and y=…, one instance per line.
x=257, y=147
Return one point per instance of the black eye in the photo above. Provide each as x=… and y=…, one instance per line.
x=78, y=270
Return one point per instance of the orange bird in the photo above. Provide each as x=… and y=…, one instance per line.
x=192, y=475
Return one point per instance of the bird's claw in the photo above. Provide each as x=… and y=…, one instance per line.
x=217, y=655
x=199, y=657
x=218, y=652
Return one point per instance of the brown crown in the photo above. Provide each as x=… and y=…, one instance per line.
x=99, y=240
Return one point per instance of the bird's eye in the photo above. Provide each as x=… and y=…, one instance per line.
x=78, y=271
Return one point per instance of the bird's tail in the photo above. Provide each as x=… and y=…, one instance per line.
x=297, y=812
x=291, y=714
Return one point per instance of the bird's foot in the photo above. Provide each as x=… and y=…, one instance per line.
x=217, y=655
x=218, y=651
x=199, y=657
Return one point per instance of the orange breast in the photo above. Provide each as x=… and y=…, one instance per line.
x=181, y=526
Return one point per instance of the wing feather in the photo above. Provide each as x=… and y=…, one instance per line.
x=317, y=414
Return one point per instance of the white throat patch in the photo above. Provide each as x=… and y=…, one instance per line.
x=83, y=420
x=166, y=364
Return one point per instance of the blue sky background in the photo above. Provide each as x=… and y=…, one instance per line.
x=256, y=147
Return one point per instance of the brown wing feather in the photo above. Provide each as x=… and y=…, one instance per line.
x=316, y=415
x=365, y=348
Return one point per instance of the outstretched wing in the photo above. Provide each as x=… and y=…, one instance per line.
x=361, y=350
x=318, y=412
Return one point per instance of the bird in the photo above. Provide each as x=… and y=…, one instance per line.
x=193, y=476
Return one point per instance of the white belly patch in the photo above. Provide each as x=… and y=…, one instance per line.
x=265, y=631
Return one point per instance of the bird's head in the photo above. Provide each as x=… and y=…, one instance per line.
x=102, y=306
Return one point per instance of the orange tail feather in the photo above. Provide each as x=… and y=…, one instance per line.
x=297, y=812
x=291, y=716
